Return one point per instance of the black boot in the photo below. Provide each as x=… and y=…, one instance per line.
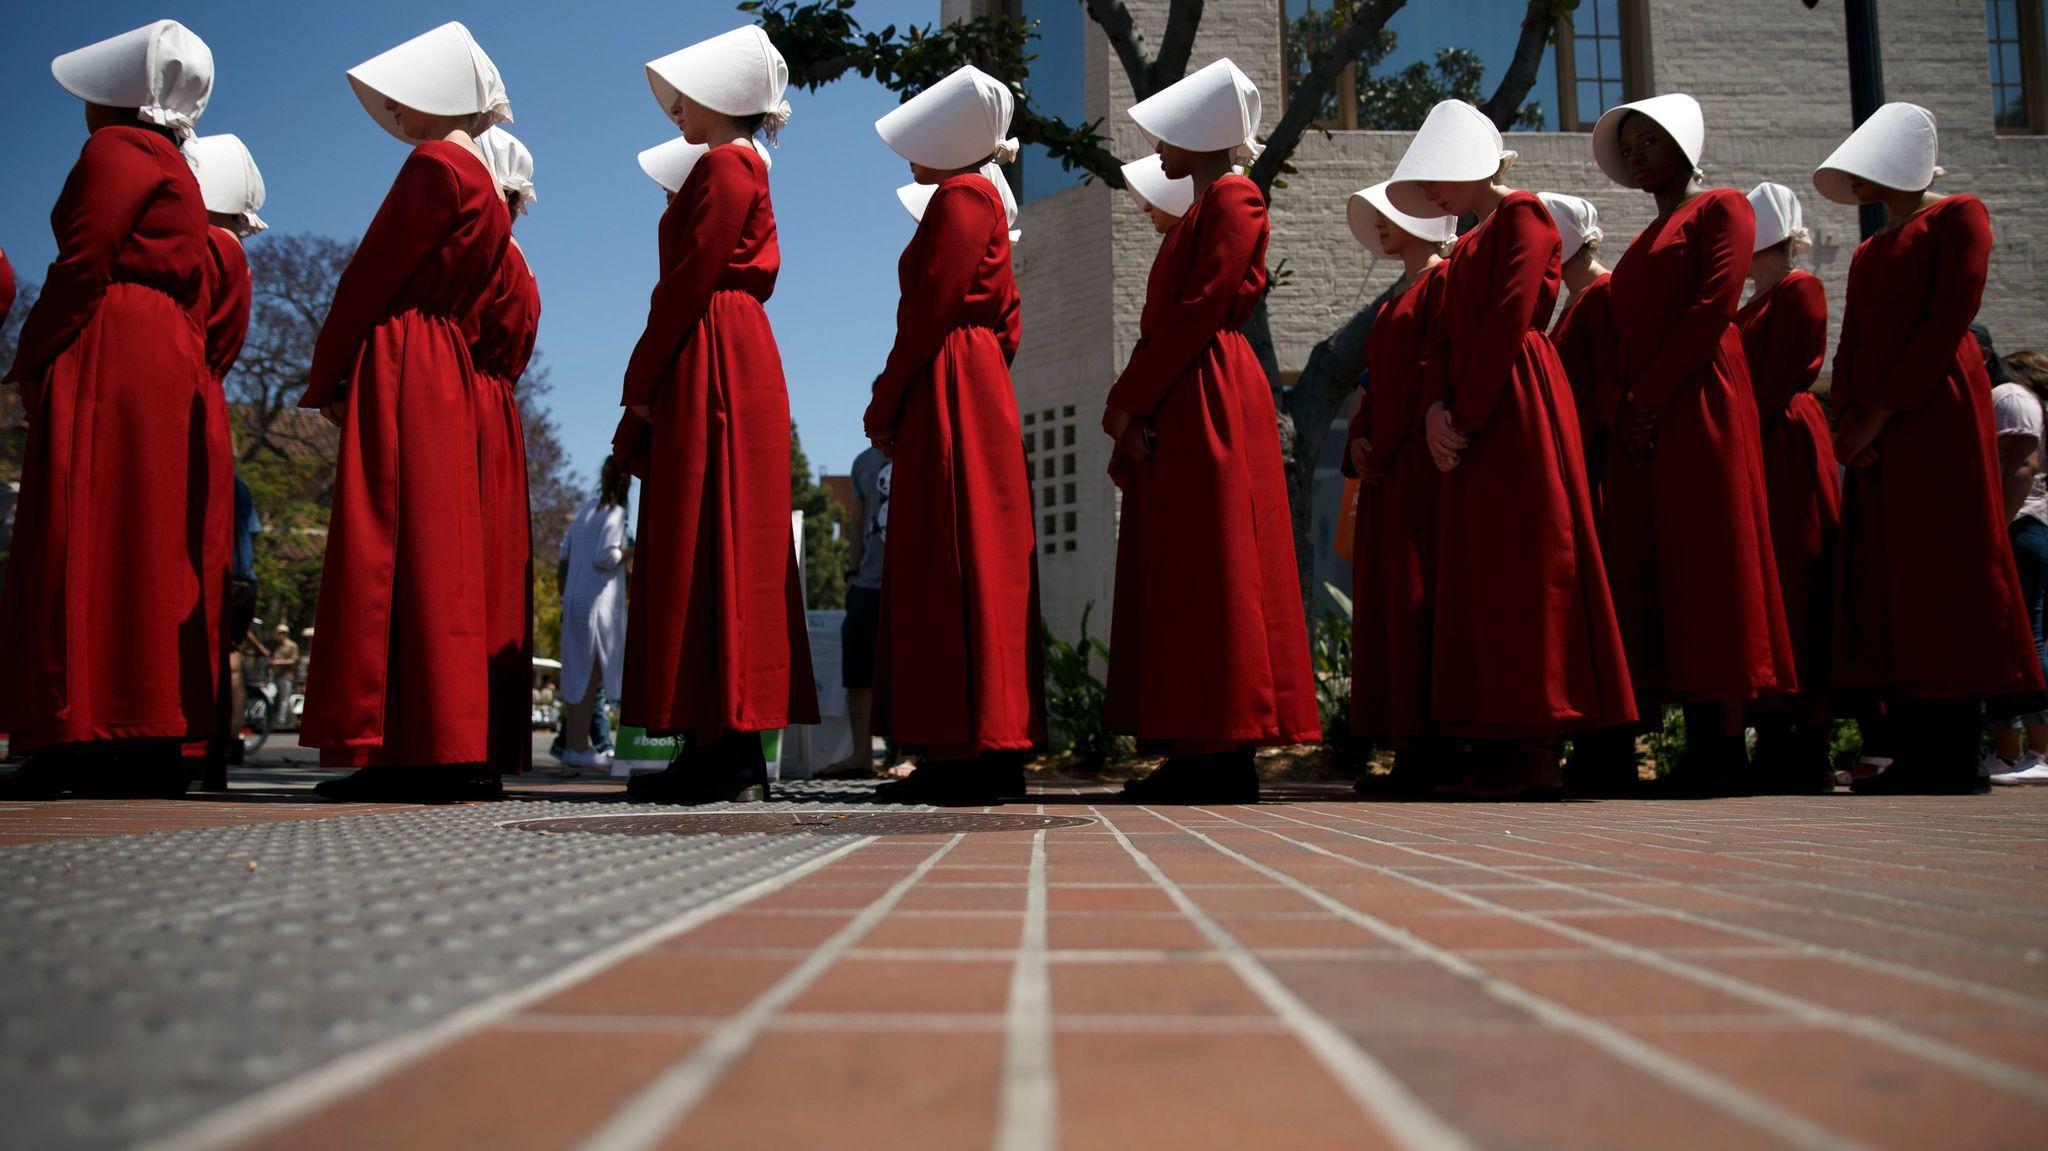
x=142, y=769
x=1602, y=765
x=44, y=776
x=946, y=783
x=731, y=769
x=437, y=783
x=1006, y=769
x=1936, y=751
x=1416, y=774
x=1217, y=779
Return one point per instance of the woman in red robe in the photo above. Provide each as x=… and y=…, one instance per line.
x=1684, y=521
x=1929, y=615
x=501, y=333
x=958, y=677
x=1526, y=646
x=398, y=680
x=717, y=647
x=1209, y=647
x=1393, y=553
x=104, y=619
x=6, y=286
x=1583, y=333
x=1784, y=337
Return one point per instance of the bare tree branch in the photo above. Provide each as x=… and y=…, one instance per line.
x=1305, y=97
x=1116, y=23
x=1183, y=20
x=1539, y=28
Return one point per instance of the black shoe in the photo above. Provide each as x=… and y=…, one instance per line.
x=131, y=772
x=1006, y=769
x=1602, y=766
x=1222, y=779
x=484, y=787
x=384, y=784
x=38, y=779
x=728, y=770
x=945, y=783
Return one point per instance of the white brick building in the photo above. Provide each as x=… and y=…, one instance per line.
x=1771, y=75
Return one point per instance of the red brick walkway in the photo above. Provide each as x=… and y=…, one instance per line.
x=1785, y=972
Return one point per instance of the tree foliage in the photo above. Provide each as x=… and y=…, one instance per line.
x=825, y=551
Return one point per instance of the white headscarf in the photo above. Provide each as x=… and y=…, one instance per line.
x=511, y=163
x=442, y=72
x=1367, y=205
x=737, y=73
x=161, y=70
x=915, y=198
x=1145, y=179
x=1213, y=110
x=228, y=179
x=963, y=119
x=1779, y=218
x=669, y=163
x=1456, y=144
x=1895, y=148
x=1578, y=222
x=1677, y=113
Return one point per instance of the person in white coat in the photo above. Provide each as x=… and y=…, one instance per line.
x=593, y=555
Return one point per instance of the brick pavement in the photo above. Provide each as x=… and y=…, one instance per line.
x=1827, y=972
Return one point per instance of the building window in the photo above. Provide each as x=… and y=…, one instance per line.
x=1057, y=531
x=1432, y=52
x=2019, y=99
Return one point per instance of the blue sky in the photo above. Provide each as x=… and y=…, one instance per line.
x=583, y=106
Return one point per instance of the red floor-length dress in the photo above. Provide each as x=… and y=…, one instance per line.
x=6, y=286
x=725, y=646
x=225, y=317
x=1393, y=554
x=1784, y=338
x=1526, y=641
x=957, y=665
x=1208, y=643
x=501, y=332
x=1587, y=344
x=1687, y=534
x=399, y=667
x=1928, y=602
x=103, y=620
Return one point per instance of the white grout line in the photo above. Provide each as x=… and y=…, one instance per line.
x=1027, y=1118
x=1687, y=1078
x=652, y=1113
x=1407, y=1120
x=279, y=1104
x=1799, y=947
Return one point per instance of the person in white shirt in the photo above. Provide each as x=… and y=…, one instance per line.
x=593, y=555
x=2023, y=468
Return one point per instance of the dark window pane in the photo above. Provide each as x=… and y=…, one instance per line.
x=1068, y=411
x=1070, y=545
x=1051, y=524
x=1067, y=466
x=1610, y=58
x=1070, y=521
x=1070, y=494
x=1067, y=436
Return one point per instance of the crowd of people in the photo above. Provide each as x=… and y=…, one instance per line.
x=1562, y=529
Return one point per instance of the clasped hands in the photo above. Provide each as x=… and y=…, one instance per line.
x=1134, y=435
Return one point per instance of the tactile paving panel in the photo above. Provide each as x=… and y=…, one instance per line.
x=147, y=980
x=796, y=823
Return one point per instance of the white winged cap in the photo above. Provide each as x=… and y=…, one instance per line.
x=1213, y=110
x=511, y=163
x=669, y=163
x=162, y=70
x=915, y=198
x=961, y=120
x=1367, y=205
x=1677, y=113
x=442, y=72
x=737, y=73
x=1457, y=143
x=1145, y=179
x=228, y=180
x=1778, y=218
x=1578, y=222
x=1896, y=148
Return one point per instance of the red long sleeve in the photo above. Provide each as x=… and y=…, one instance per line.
x=1962, y=259
x=1841, y=388
x=1232, y=225
x=945, y=253
x=1799, y=343
x=105, y=195
x=6, y=287
x=632, y=441
x=1725, y=232
x=716, y=201
x=1359, y=428
x=416, y=216
x=1526, y=244
x=1399, y=415
x=227, y=310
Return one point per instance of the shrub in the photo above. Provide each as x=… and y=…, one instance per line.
x=1074, y=696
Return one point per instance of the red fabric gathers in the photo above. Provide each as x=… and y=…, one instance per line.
x=1393, y=554
x=1208, y=640
x=1687, y=534
x=6, y=287
x=716, y=639
x=1927, y=597
x=501, y=332
x=399, y=666
x=958, y=660
x=223, y=313
x=1526, y=643
x=1586, y=344
x=1784, y=339
x=108, y=624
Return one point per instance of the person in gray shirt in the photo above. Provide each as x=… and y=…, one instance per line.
x=870, y=515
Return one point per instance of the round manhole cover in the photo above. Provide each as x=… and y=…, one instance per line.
x=796, y=823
